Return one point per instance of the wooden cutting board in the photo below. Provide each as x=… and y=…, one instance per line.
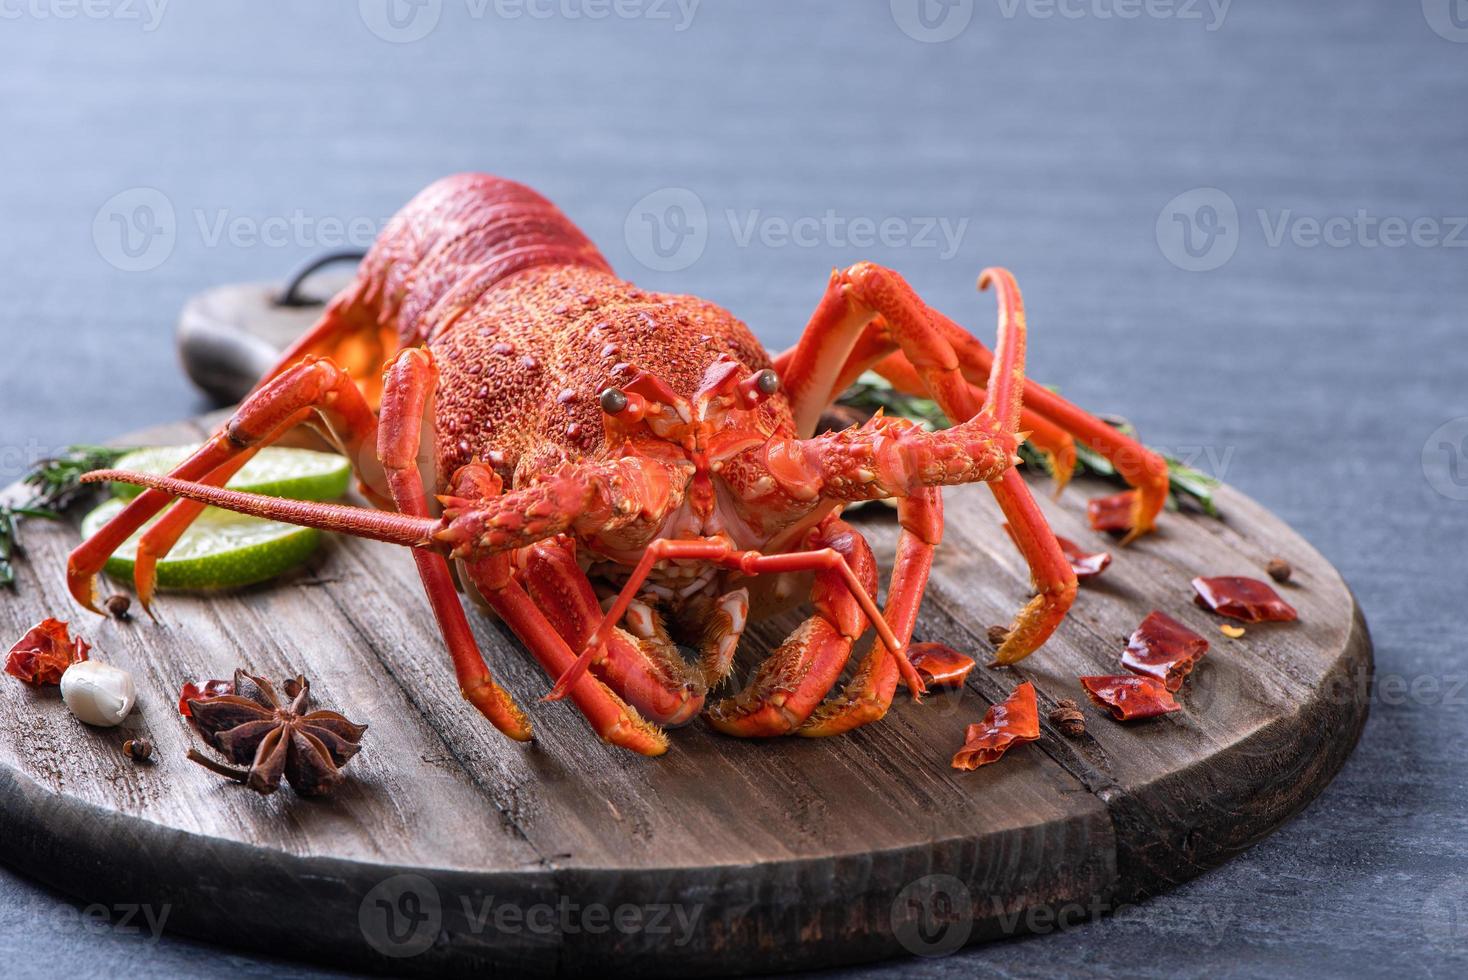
x=453, y=849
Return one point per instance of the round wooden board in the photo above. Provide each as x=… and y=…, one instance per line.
x=453, y=849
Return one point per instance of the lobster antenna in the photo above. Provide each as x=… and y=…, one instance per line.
x=1006, y=375
x=362, y=522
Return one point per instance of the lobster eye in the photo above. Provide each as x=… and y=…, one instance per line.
x=760, y=385
x=613, y=401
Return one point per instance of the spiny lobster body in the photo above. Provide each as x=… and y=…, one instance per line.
x=612, y=468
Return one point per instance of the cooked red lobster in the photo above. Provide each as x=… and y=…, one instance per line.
x=661, y=467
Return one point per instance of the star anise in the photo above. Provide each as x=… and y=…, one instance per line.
x=252, y=725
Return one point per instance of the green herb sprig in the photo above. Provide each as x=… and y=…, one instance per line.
x=1189, y=487
x=55, y=486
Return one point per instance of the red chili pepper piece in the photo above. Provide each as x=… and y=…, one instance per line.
x=1015, y=719
x=44, y=653
x=1165, y=649
x=1129, y=697
x=1084, y=564
x=1112, y=513
x=940, y=665
x=1245, y=599
x=192, y=692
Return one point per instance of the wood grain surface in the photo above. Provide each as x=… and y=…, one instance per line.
x=761, y=855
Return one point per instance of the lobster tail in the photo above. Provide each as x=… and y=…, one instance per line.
x=435, y=258
x=457, y=239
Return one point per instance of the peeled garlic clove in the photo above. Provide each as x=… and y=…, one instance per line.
x=98, y=693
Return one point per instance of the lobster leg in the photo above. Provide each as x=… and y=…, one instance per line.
x=720, y=624
x=648, y=672
x=613, y=719
x=1139, y=466
x=315, y=386
x=868, y=694
x=1048, y=418
x=793, y=680
x=717, y=551
x=853, y=300
x=875, y=350
x=158, y=540
x=351, y=335
x=408, y=388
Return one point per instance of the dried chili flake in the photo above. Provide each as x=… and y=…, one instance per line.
x=1129, y=697
x=44, y=653
x=1245, y=599
x=1112, y=513
x=940, y=664
x=1084, y=564
x=1163, y=648
x=193, y=692
x=1015, y=719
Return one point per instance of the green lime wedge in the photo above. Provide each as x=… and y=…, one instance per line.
x=219, y=550
x=302, y=474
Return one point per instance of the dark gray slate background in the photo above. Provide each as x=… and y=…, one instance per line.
x=1317, y=377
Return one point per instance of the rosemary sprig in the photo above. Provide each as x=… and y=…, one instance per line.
x=55, y=486
x=872, y=391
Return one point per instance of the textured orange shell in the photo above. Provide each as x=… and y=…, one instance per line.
x=528, y=325
x=521, y=372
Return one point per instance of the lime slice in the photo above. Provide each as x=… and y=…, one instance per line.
x=219, y=550
x=302, y=474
